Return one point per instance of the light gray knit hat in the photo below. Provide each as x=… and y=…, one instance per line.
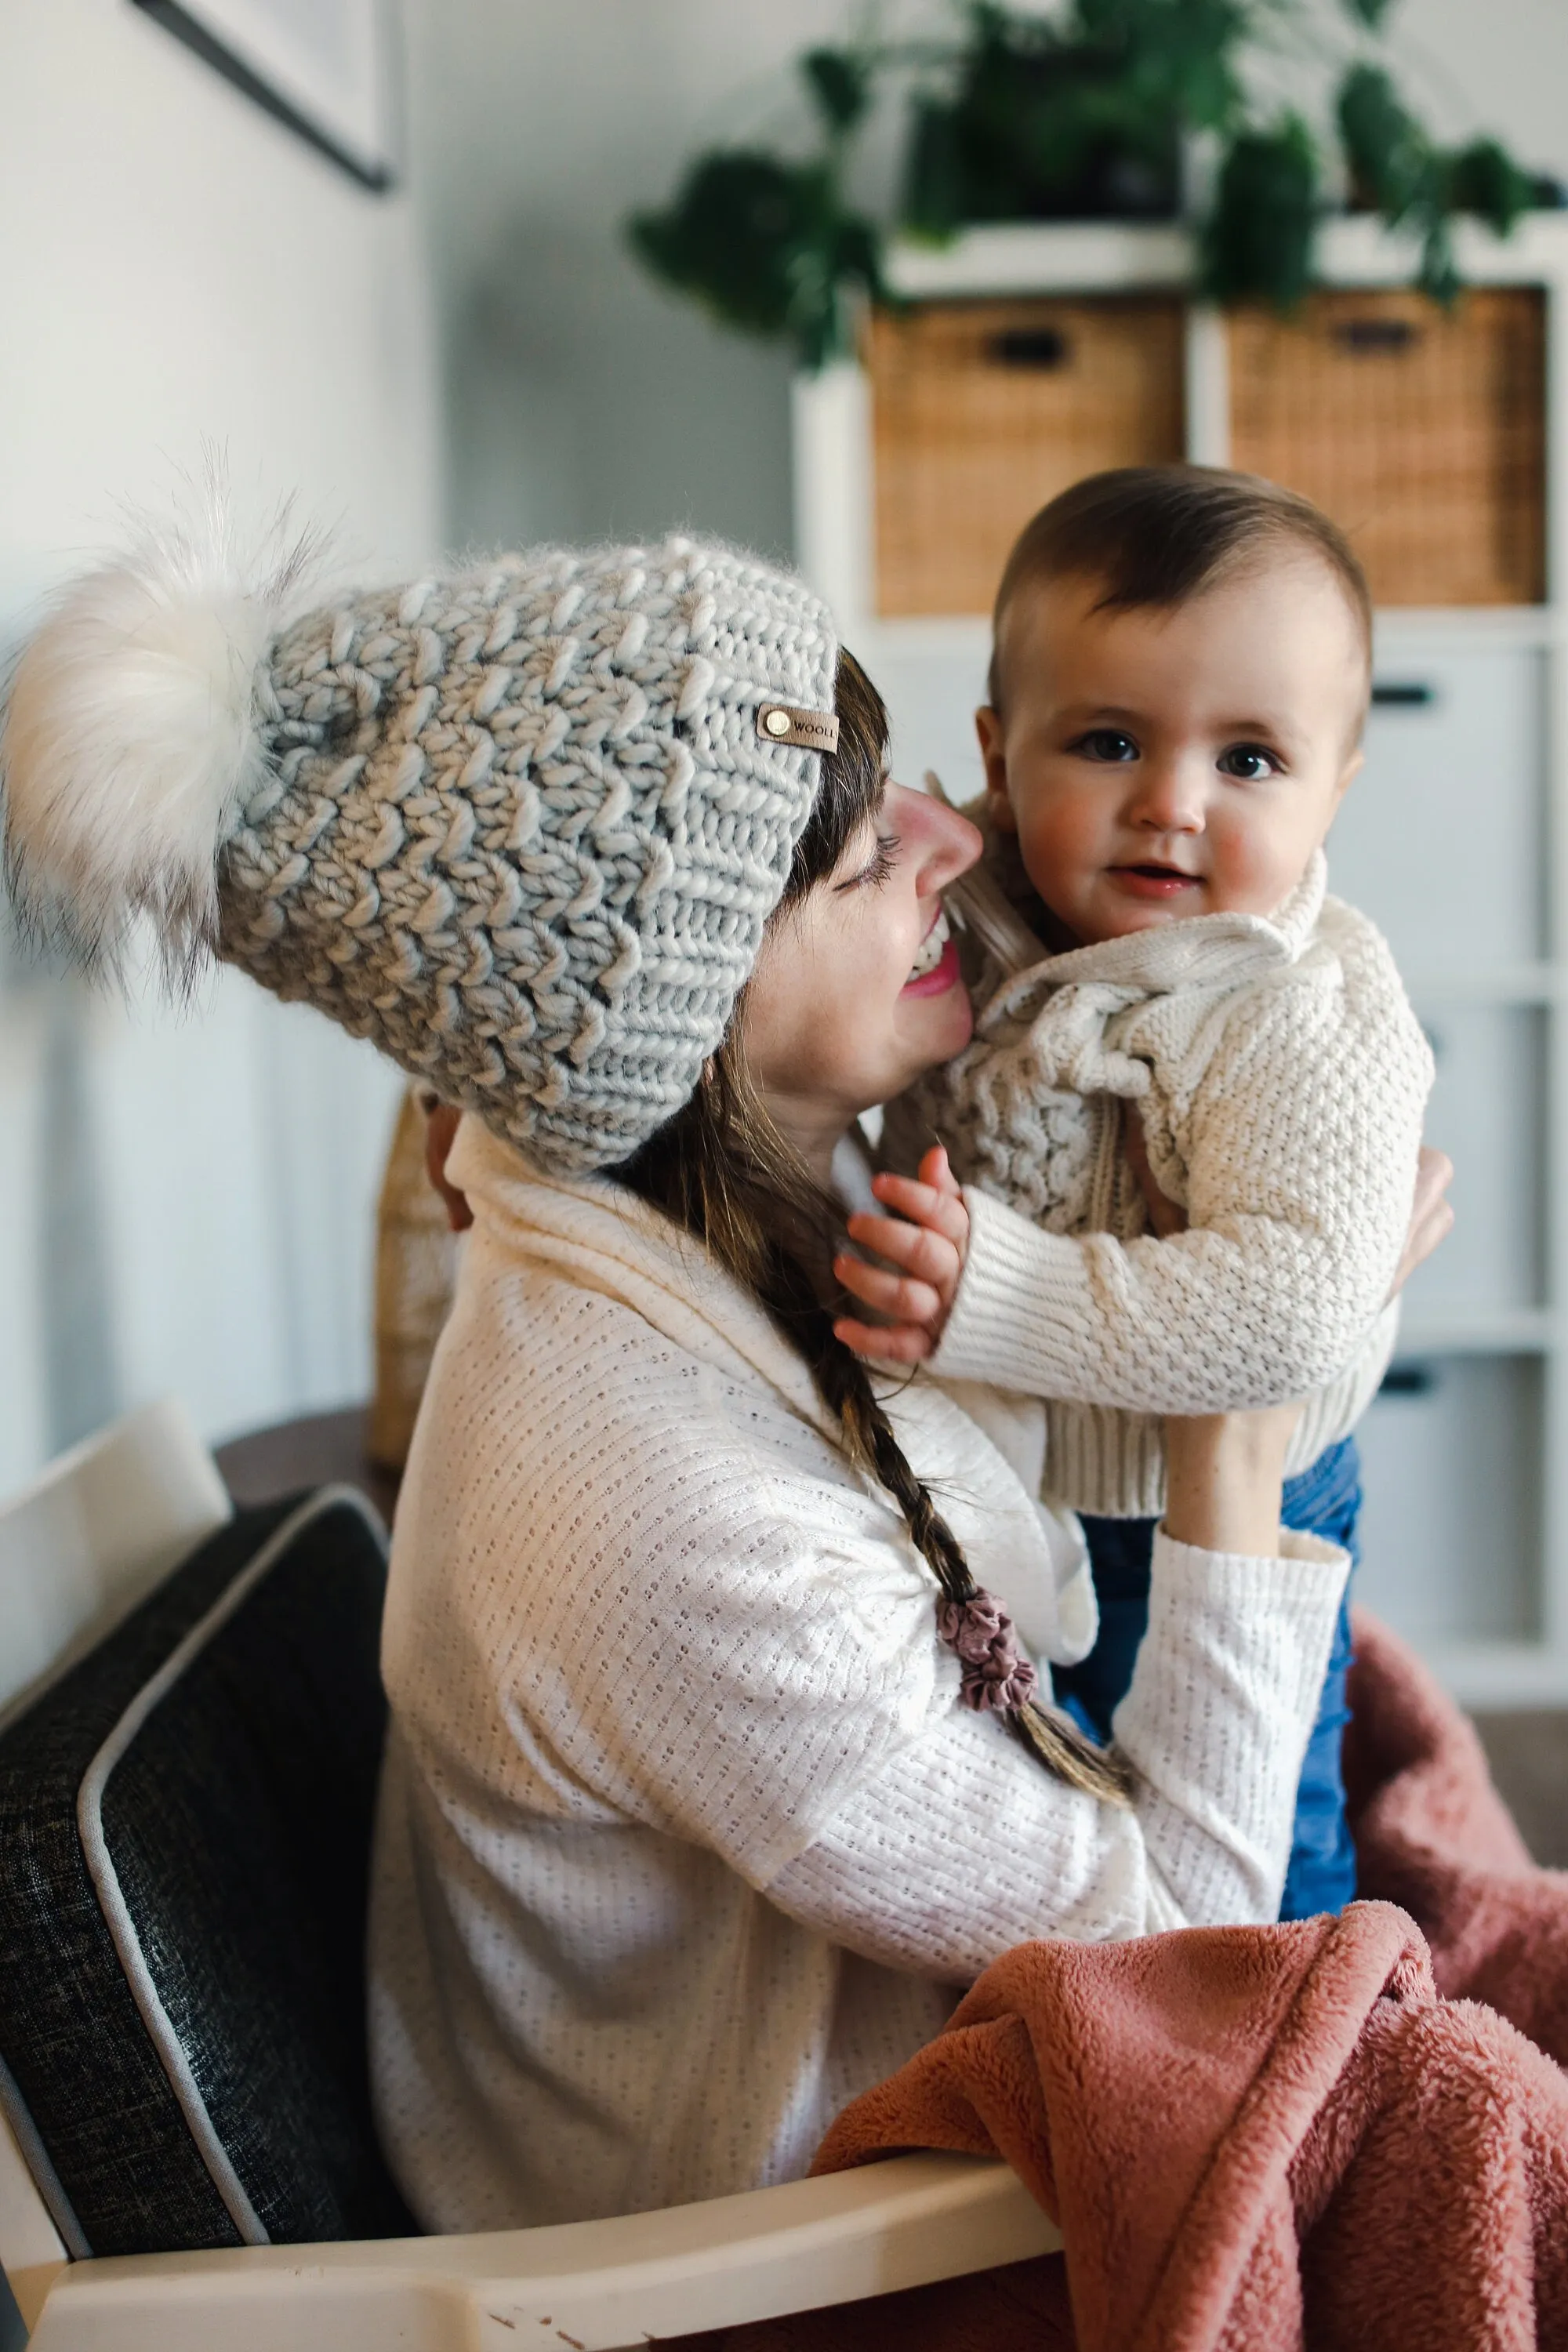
x=522, y=825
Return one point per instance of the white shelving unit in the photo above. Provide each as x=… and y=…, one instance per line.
x=1455, y=839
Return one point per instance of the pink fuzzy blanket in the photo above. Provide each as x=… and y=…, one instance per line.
x=1345, y=2133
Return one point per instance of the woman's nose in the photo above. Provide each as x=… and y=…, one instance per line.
x=944, y=843
x=1166, y=797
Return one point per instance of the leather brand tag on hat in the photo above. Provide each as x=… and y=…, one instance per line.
x=813, y=730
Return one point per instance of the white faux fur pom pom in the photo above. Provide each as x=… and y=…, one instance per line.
x=132, y=741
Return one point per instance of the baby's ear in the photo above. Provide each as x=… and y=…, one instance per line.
x=1352, y=769
x=988, y=731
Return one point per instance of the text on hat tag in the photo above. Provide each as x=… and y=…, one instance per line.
x=813, y=730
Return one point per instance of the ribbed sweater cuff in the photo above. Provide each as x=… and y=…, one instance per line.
x=1272, y=1620
x=1305, y=1581
x=1023, y=1316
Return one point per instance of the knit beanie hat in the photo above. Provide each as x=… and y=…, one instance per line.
x=522, y=825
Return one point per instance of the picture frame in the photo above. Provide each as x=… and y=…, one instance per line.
x=324, y=68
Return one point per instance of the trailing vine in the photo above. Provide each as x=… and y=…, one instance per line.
x=1096, y=113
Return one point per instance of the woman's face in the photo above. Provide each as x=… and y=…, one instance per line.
x=857, y=990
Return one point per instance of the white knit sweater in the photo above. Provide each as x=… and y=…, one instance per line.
x=1281, y=1078
x=684, y=1836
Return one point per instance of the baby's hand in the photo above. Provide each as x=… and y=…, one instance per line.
x=927, y=1240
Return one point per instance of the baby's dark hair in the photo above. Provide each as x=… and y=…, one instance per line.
x=720, y=1168
x=1154, y=536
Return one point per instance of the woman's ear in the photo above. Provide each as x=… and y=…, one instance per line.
x=988, y=731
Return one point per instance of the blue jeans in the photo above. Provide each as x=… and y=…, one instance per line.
x=1325, y=1500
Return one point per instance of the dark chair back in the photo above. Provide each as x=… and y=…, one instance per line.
x=185, y=1839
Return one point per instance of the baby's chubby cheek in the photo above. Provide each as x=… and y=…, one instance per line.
x=1253, y=867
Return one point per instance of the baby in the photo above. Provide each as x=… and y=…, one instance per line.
x=1179, y=680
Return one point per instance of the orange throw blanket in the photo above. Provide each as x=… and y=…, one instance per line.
x=1342, y=2133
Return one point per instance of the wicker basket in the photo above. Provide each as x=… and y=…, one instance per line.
x=1422, y=433
x=984, y=410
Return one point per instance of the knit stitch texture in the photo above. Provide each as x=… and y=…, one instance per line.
x=1281, y=1078
x=522, y=829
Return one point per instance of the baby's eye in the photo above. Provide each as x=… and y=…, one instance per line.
x=1248, y=762
x=1107, y=743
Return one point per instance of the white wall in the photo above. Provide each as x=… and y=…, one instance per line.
x=585, y=401
x=184, y=1201
x=1498, y=65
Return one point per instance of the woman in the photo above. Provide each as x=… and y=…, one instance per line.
x=711, y=1773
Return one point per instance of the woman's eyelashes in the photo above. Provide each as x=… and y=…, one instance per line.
x=878, y=867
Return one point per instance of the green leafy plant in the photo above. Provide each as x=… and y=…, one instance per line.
x=1395, y=169
x=1087, y=115
x=770, y=246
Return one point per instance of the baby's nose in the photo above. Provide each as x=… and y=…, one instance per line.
x=1166, y=800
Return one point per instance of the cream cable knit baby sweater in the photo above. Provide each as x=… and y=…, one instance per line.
x=684, y=1836
x=1282, y=1078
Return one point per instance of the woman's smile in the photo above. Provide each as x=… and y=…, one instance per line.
x=935, y=968
x=857, y=990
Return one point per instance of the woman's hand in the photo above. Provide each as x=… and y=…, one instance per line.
x=926, y=1242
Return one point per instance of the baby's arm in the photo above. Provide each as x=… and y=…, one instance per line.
x=1301, y=1151
x=929, y=1240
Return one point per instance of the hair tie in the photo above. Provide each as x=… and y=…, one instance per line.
x=997, y=1677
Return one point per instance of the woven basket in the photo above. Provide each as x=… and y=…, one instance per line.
x=984, y=410
x=1421, y=432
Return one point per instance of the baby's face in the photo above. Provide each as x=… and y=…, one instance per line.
x=1160, y=763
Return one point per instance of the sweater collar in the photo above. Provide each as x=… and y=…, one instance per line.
x=612, y=1242
x=1203, y=950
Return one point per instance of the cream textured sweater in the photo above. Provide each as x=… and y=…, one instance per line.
x=1282, y=1079
x=684, y=1836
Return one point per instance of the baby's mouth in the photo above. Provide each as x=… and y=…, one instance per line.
x=932, y=947
x=1152, y=879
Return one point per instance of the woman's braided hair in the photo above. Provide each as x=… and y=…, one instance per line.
x=720, y=1168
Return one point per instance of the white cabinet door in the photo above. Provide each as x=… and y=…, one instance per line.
x=1451, y=1528
x=1441, y=837
x=1487, y=1113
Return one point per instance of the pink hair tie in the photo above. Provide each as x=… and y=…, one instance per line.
x=997, y=1677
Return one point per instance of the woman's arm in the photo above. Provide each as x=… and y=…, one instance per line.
x=1224, y=1477
x=702, y=1621
x=961, y=1847
x=964, y=1847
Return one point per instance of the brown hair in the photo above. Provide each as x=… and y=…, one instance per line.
x=720, y=1168
x=1157, y=535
